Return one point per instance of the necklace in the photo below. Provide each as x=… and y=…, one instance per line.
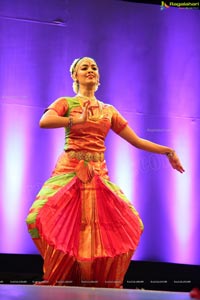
x=95, y=111
x=86, y=97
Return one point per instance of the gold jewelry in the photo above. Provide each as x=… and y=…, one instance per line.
x=70, y=122
x=170, y=154
x=95, y=112
x=86, y=97
x=87, y=156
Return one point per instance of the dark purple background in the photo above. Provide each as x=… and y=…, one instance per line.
x=150, y=68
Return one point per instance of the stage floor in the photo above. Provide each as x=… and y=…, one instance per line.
x=32, y=292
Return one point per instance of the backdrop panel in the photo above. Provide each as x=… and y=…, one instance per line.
x=149, y=70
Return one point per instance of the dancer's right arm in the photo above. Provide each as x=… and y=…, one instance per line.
x=51, y=119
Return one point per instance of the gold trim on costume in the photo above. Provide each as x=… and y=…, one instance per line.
x=87, y=156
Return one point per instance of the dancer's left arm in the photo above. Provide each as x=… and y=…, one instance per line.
x=130, y=136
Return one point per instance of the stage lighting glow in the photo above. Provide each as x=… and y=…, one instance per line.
x=122, y=168
x=182, y=204
x=14, y=167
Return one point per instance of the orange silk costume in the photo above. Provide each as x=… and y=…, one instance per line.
x=82, y=224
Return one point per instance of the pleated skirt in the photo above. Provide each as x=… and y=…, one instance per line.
x=84, y=226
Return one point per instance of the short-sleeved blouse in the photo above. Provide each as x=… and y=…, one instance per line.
x=90, y=135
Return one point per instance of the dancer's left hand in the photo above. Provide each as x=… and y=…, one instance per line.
x=175, y=163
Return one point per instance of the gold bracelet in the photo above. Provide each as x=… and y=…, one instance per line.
x=70, y=122
x=170, y=154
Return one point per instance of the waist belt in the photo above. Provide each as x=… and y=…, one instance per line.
x=87, y=156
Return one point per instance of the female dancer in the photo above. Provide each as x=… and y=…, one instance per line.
x=83, y=225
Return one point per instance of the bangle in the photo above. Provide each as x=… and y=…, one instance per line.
x=170, y=154
x=70, y=122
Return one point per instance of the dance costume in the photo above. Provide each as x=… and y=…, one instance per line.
x=82, y=224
